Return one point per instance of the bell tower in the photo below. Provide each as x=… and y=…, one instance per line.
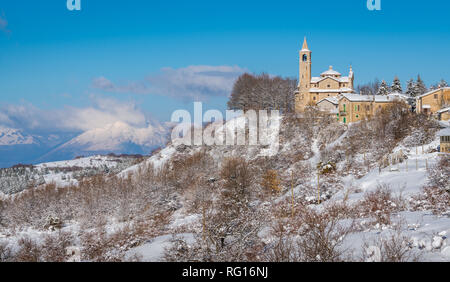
x=305, y=68
x=304, y=79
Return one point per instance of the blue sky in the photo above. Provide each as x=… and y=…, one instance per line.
x=151, y=57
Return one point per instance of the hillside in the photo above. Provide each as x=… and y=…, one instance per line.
x=62, y=173
x=382, y=190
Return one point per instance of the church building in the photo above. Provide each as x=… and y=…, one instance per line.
x=312, y=90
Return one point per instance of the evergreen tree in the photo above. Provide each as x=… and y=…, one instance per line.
x=410, y=88
x=438, y=85
x=396, y=85
x=442, y=83
x=384, y=88
x=420, y=87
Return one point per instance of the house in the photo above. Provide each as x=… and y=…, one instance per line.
x=443, y=114
x=356, y=107
x=329, y=105
x=431, y=102
x=312, y=90
x=445, y=140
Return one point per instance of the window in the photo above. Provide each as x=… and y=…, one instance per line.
x=305, y=57
x=328, y=86
x=314, y=98
x=435, y=96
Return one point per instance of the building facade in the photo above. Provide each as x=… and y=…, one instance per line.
x=445, y=140
x=444, y=114
x=432, y=102
x=356, y=107
x=312, y=90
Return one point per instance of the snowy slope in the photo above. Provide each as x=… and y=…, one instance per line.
x=62, y=173
x=216, y=151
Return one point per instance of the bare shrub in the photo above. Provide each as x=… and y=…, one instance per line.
x=5, y=252
x=380, y=204
x=435, y=195
x=54, y=247
x=29, y=251
x=321, y=235
x=393, y=247
x=270, y=182
x=96, y=247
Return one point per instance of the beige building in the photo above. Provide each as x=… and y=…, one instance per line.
x=445, y=140
x=356, y=107
x=430, y=103
x=329, y=105
x=312, y=90
x=444, y=114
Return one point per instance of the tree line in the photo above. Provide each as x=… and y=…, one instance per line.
x=414, y=88
x=263, y=91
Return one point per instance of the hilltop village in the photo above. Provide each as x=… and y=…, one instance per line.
x=335, y=94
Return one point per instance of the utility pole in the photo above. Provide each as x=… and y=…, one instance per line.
x=318, y=187
x=204, y=223
x=292, y=193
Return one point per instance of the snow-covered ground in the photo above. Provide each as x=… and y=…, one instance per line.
x=153, y=250
x=427, y=233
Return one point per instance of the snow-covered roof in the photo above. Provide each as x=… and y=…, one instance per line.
x=444, y=110
x=399, y=95
x=444, y=132
x=339, y=79
x=378, y=98
x=340, y=90
x=344, y=79
x=432, y=91
x=332, y=100
x=316, y=79
x=357, y=97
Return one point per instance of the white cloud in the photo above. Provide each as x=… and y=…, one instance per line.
x=101, y=113
x=132, y=87
x=192, y=82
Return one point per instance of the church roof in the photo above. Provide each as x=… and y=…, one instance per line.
x=330, y=71
x=316, y=79
x=318, y=90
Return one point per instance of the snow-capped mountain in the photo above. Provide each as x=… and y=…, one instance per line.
x=119, y=138
x=11, y=136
